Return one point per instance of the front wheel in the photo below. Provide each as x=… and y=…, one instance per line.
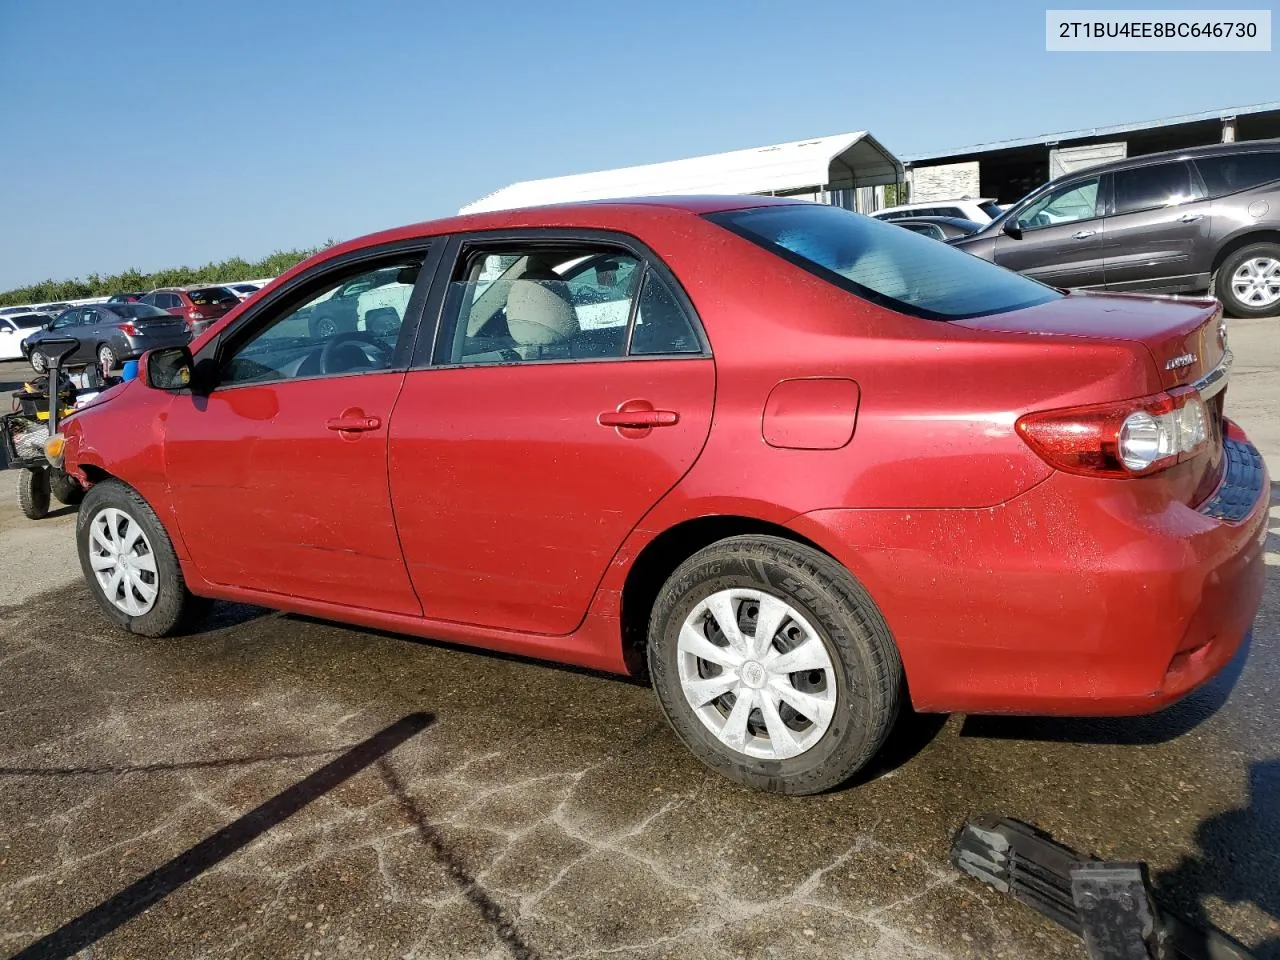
x=1248, y=282
x=129, y=563
x=773, y=665
x=39, y=362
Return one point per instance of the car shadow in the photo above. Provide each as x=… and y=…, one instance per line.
x=1168, y=724
x=1238, y=861
x=911, y=734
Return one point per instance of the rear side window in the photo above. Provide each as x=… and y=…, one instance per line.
x=1232, y=172
x=885, y=264
x=1148, y=188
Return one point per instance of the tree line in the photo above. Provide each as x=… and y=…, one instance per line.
x=224, y=271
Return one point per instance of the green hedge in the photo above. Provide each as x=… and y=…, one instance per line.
x=225, y=271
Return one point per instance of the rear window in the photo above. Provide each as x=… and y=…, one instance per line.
x=1231, y=172
x=212, y=295
x=885, y=264
x=138, y=311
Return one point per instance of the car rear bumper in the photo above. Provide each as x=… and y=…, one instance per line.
x=134, y=347
x=1080, y=597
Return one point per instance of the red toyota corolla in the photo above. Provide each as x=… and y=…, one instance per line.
x=801, y=463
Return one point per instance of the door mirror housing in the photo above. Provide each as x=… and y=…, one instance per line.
x=1012, y=229
x=169, y=368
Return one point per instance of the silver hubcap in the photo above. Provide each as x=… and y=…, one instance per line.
x=757, y=674
x=123, y=561
x=37, y=362
x=106, y=357
x=1256, y=282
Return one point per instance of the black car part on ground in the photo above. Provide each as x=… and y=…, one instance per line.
x=23, y=446
x=1109, y=905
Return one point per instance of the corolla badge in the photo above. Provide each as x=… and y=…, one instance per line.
x=1177, y=363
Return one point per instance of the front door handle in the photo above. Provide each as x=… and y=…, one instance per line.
x=639, y=419
x=1083, y=234
x=353, y=424
x=1190, y=217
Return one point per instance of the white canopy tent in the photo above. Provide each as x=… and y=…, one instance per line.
x=828, y=169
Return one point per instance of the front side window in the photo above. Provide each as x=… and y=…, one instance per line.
x=308, y=337
x=571, y=302
x=1231, y=172
x=1149, y=188
x=1078, y=201
x=885, y=264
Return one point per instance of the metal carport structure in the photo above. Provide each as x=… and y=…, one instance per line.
x=826, y=169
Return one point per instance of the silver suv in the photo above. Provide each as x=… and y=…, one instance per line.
x=1207, y=218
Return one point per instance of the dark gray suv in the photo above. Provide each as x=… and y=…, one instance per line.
x=1207, y=218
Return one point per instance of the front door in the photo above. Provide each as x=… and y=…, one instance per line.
x=570, y=392
x=1158, y=225
x=279, y=474
x=1062, y=237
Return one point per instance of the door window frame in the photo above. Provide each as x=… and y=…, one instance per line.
x=298, y=291
x=453, y=256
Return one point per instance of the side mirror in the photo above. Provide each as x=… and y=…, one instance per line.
x=1012, y=229
x=170, y=368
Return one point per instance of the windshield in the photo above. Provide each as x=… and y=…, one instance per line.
x=885, y=264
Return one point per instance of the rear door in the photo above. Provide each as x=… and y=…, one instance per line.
x=569, y=391
x=1062, y=237
x=1158, y=223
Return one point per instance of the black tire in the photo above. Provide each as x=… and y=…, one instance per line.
x=39, y=362
x=1223, y=289
x=867, y=667
x=64, y=488
x=33, y=493
x=175, y=607
x=324, y=327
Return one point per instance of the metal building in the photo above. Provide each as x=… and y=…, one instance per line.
x=1009, y=169
x=840, y=170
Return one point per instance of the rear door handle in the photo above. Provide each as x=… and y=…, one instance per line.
x=1083, y=234
x=353, y=424
x=1190, y=217
x=638, y=418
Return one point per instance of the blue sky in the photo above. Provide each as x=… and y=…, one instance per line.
x=150, y=134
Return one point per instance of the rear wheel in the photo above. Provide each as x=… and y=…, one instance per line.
x=773, y=665
x=39, y=362
x=106, y=357
x=129, y=563
x=33, y=493
x=1248, y=282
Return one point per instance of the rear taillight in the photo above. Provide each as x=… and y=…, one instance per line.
x=128, y=329
x=1132, y=438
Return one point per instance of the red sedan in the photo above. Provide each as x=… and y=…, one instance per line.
x=797, y=464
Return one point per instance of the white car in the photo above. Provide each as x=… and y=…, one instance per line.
x=982, y=210
x=16, y=327
x=243, y=290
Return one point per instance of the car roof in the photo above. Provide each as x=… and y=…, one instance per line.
x=1186, y=153
x=953, y=221
x=934, y=203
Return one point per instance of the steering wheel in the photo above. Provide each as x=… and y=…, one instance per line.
x=332, y=352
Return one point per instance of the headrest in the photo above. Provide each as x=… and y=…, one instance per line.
x=539, y=313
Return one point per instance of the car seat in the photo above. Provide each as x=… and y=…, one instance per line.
x=539, y=314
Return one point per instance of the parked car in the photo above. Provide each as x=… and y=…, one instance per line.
x=244, y=290
x=1207, y=218
x=982, y=210
x=198, y=306
x=802, y=463
x=109, y=334
x=345, y=309
x=14, y=327
x=127, y=297
x=939, y=228
x=53, y=309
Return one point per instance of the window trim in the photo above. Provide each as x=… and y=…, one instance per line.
x=1193, y=181
x=454, y=254
x=214, y=351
